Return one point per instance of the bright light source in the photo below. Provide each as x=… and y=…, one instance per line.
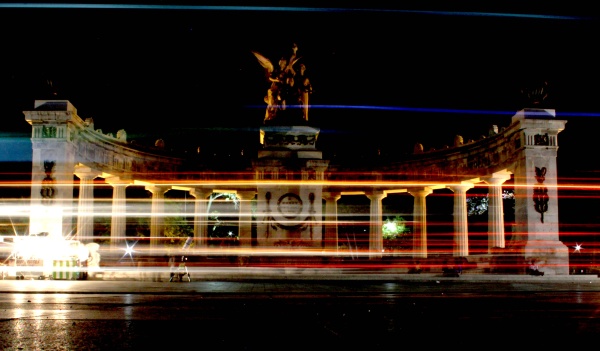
x=129, y=250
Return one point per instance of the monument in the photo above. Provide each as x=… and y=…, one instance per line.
x=289, y=205
x=292, y=189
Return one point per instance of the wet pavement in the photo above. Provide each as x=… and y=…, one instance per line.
x=293, y=312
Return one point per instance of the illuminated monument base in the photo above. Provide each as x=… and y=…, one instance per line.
x=289, y=208
x=552, y=255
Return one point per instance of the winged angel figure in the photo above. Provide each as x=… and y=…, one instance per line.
x=283, y=92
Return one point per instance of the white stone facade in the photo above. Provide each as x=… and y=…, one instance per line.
x=290, y=180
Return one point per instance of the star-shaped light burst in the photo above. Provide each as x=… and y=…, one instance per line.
x=128, y=250
x=577, y=247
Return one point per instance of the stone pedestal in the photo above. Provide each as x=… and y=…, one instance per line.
x=285, y=142
x=289, y=194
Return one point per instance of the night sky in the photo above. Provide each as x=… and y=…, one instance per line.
x=382, y=77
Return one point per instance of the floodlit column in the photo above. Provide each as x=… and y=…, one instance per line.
x=118, y=220
x=376, y=224
x=200, y=216
x=85, y=217
x=496, y=210
x=245, y=217
x=420, y=221
x=54, y=141
x=157, y=219
x=331, y=224
x=536, y=191
x=461, y=223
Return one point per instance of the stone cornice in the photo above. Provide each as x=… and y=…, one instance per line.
x=463, y=162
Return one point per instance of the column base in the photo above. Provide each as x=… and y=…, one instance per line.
x=552, y=257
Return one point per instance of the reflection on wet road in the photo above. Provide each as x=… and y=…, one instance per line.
x=296, y=315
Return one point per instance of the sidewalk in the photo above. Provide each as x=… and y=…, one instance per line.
x=236, y=281
x=327, y=274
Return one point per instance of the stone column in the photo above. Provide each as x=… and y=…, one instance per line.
x=331, y=224
x=200, y=216
x=536, y=197
x=85, y=216
x=376, y=224
x=118, y=220
x=157, y=219
x=496, y=210
x=461, y=223
x=245, y=217
x=420, y=221
x=55, y=125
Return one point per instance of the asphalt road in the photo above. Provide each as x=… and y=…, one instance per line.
x=263, y=314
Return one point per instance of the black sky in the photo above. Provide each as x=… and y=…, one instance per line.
x=387, y=77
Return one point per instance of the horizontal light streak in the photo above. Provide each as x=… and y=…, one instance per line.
x=178, y=7
x=160, y=265
x=385, y=185
x=433, y=110
x=228, y=259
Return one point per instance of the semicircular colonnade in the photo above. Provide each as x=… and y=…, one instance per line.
x=65, y=145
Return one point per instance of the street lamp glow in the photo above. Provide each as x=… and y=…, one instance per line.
x=128, y=250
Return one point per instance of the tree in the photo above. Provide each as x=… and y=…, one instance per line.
x=224, y=228
x=177, y=229
x=395, y=233
x=395, y=228
x=478, y=204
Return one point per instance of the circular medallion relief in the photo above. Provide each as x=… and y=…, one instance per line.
x=289, y=205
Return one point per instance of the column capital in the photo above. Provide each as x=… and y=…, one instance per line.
x=463, y=186
x=85, y=172
x=157, y=189
x=327, y=195
x=420, y=191
x=200, y=193
x=116, y=181
x=376, y=194
x=497, y=178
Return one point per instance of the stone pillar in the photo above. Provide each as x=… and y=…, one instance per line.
x=118, y=220
x=201, y=216
x=157, y=219
x=85, y=209
x=420, y=221
x=55, y=125
x=461, y=222
x=331, y=224
x=245, y=217
x=496, y=210
x=536, y=197
x=376, y=224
